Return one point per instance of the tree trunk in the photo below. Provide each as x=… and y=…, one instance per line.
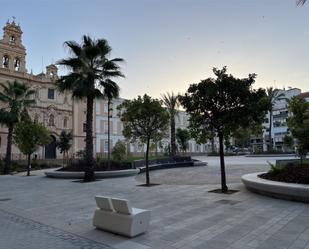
x=224, y=188
x=147, y=165
x=173, y=137
x=270, y=144
x=29, y=165
x=89, y=162
x=8, y=156
x=108, y=136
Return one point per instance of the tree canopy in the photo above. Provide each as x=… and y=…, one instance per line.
x=16, y=98
x=144, y=119
x=223, y=105
x=298, y=124
x=183, y=136
x=28, y=136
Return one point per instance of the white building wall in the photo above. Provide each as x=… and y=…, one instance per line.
x=279, y=122
x=181, y=121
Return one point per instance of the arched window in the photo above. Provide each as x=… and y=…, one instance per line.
x=51, y=121
x=12, y=39
x=16, y=64
x=5, y=61
x=65, y=122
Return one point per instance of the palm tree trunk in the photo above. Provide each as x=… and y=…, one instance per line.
x=147, y=164
x=108, y=136
x=270, y=144
x=28, y=166
x=224, y=187
x=89, y=162
x=8, y=156
x=173, y=137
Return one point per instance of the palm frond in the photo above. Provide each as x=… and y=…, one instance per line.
x=300, y=2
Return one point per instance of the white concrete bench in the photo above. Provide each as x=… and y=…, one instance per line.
x=117, y=216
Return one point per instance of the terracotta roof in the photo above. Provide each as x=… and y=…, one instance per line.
x=304, y=95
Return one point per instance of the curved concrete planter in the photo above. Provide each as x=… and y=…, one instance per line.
x=172, y=165
x=281, y=190
x=98, y=174
x=271, y=155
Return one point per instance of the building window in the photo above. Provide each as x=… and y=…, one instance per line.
x=51, y=93
x=65, y=123
x=105, y=146
x=5, y=61
x=106, y=108
x=12, y=39
x=16, y=64
x=51, y=121
x=84, y=127
x=105, y=127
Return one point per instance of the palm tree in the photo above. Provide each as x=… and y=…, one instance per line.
x=110, y=91
x=16, y=98
x=90, y=70
x=171, y=101
x=273, y=95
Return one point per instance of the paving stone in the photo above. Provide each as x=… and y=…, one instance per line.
x=43, y=213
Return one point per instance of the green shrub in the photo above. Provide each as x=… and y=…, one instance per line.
x=119, y=151
x=275, y=169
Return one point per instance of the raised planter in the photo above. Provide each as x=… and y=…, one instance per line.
x=271, y=155
x=280, y=190
x=173, y=165
x=98, y=174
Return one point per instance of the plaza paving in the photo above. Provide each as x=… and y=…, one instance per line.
x=38, y=212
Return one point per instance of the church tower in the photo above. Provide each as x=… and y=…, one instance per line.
x=12, y=52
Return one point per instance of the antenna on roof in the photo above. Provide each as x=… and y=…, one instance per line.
x=42, y=64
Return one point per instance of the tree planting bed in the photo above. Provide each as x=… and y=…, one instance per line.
x=260, y=183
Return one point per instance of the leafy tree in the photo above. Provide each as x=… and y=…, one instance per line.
x=64, y=143
x=273, y=95
x=183, y=136
x=119, y=151
x=171, y=103
x=144, y=119
x=91, y=71
x=16, y=98
x=222, y=105
x=28, y=136
x=298, y=124
x=110, y=91
x=242, y=136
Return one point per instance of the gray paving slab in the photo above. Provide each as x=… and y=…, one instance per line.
x=38, y=212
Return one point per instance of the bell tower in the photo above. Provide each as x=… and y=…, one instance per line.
x=12, y=52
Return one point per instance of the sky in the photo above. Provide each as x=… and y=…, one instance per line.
x=168, y=45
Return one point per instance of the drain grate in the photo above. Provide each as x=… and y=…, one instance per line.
x=230, y=202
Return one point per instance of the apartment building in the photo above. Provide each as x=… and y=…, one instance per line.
x=279, y=126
